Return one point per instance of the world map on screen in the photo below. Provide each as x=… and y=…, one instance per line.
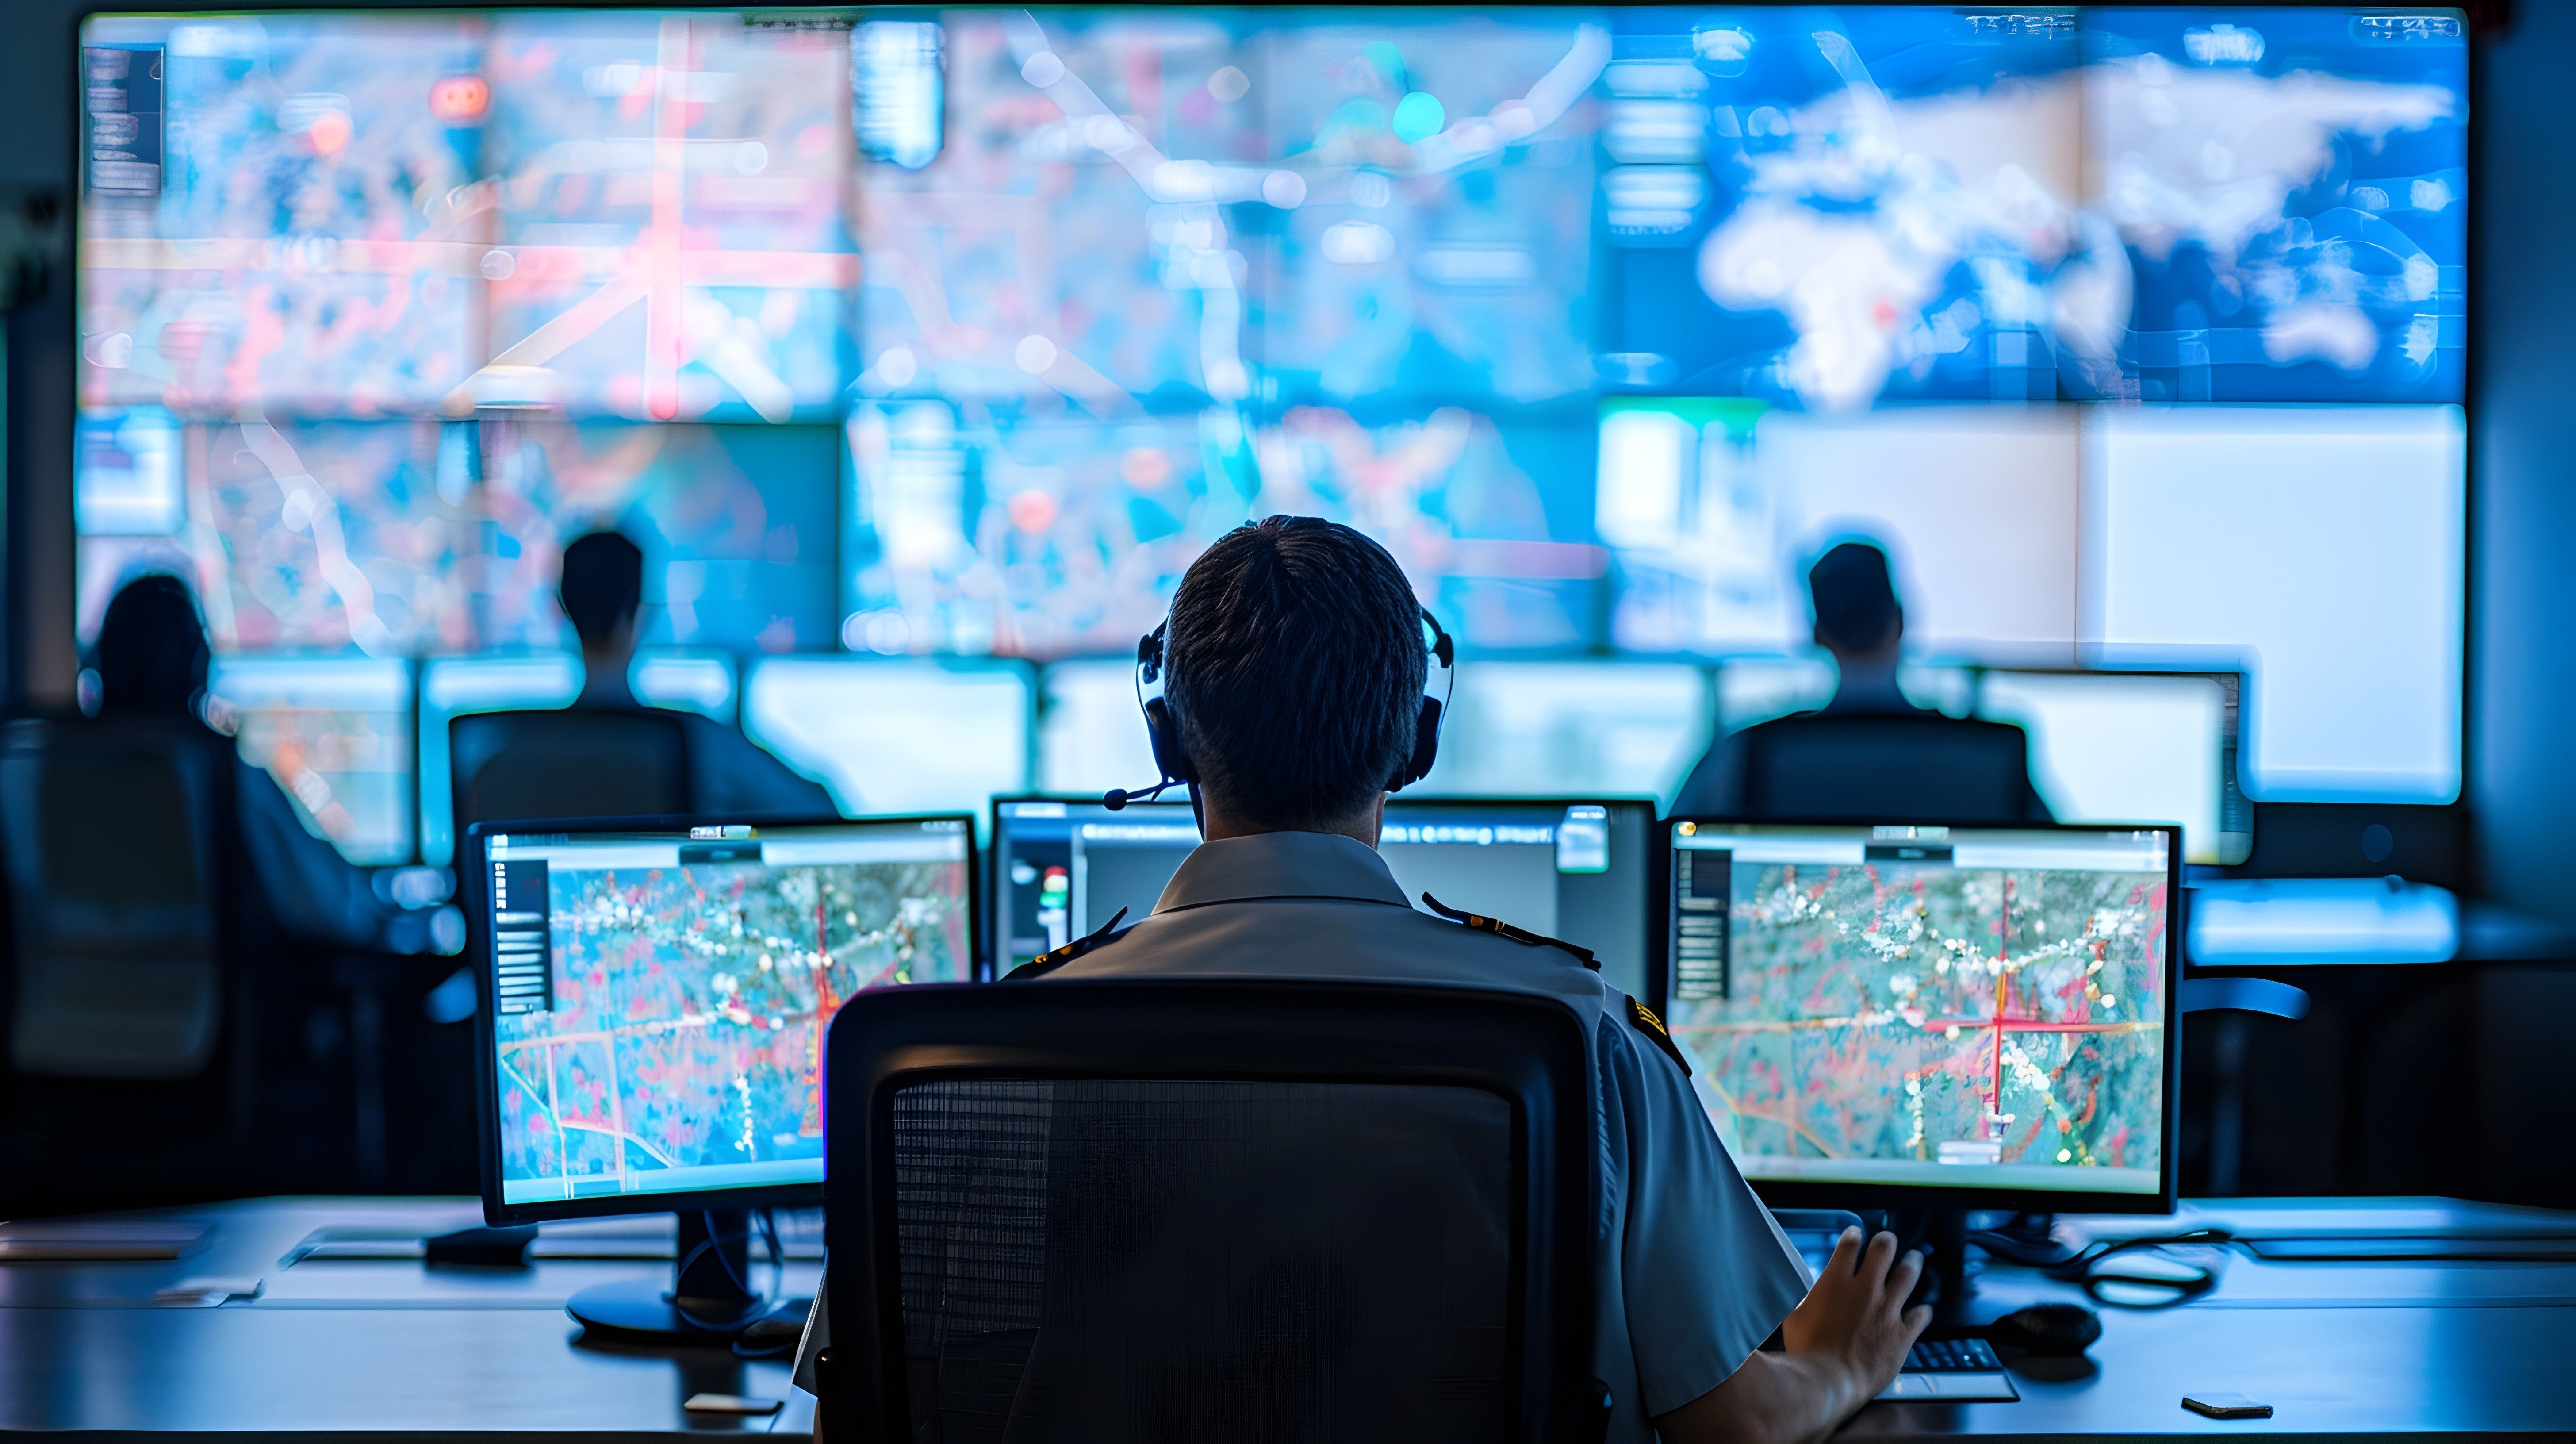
x=1902, y=204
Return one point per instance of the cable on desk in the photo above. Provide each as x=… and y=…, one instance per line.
x=2023, y=1242
x=766, y=1228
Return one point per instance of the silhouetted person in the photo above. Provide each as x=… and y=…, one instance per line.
x=151, y=659
x=602, y=591
x=1870, y=754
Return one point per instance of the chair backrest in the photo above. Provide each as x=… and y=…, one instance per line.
x=1243, y=1210
x=568, y=764
x=1861, y=768
x=115, y=891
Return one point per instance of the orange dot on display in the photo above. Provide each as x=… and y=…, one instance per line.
x=460, y=98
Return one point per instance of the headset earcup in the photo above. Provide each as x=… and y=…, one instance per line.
x=1166, y=739
x=1426, y=746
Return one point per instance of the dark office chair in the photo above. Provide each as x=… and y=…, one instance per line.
x=2233, y=998
x=113, y=889
x=126, y=1002
x=568, y=764
x=1243, y=1210
x=1862, y=768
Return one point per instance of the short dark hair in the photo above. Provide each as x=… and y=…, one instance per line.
x=151, y=650
x=1295, y=670
x=603, y=584
x=1855, y=602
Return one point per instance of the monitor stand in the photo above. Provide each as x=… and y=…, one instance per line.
x=1941, y=1230
x=709, y=1299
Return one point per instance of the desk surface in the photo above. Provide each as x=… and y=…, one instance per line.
x=376, y=1346
x=351, y=1346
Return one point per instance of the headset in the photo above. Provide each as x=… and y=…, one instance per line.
x=1439, y=680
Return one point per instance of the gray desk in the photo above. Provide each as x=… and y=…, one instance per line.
x=378, y=1347
x=351, y=1346
x=2415, y=1349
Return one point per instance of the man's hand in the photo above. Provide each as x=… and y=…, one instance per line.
x=1856, y=1315
x=1845, y=1340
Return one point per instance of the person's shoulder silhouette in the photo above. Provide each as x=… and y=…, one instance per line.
x=602, y=591
x=1870, y=754
x=151, y=661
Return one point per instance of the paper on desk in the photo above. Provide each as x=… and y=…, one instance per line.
x=730, y=1404
x=207, y=1293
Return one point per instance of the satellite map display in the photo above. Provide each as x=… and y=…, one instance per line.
x=1326, y=266
x=664, y=196
x=422, y=537
x=297, y=244
x=1911, y=1021
x=689, y=1004
x=977, y=535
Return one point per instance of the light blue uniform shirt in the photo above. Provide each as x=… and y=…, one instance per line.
x=1694, y=1274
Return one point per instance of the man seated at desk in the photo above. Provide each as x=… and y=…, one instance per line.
x=1294, y=664
x=603, y=595
x=1870, y=755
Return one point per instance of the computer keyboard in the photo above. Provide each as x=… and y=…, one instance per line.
x=1954, y=1371
x=1951, y=1356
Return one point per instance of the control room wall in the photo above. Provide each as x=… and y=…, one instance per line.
x=2522, y=602
x=2520, y=769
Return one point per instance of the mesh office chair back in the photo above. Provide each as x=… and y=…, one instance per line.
x=568, y=764
x=114, y=893
x=1252, y=1211
x=1889, y=769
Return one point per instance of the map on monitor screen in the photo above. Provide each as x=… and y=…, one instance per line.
x=1973, y=1009
x=661, y=1001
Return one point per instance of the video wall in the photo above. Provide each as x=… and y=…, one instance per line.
x=2135, y=335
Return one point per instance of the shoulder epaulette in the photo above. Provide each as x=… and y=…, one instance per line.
x=1501, y=929
x=1045, y=963
x=1653, y=1027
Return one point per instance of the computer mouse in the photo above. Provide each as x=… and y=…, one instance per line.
x=2054, y=1330
x=774, y=1332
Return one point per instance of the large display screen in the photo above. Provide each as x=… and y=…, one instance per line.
x=1905, y=203
x=962, y=332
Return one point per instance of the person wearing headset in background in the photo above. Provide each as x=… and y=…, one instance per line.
x=1292, y=678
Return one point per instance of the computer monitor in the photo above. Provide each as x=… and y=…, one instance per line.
x=658, y=994
x=1574, y=868
x=332, y=731
x=890, y=735
x=2133, y=746
x=1975, y=1016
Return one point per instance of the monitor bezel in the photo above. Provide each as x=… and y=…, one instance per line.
x=1783, y=1193
x=996, y=943
x=487, y=1116
x=995, y=920
x=2235, y=845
